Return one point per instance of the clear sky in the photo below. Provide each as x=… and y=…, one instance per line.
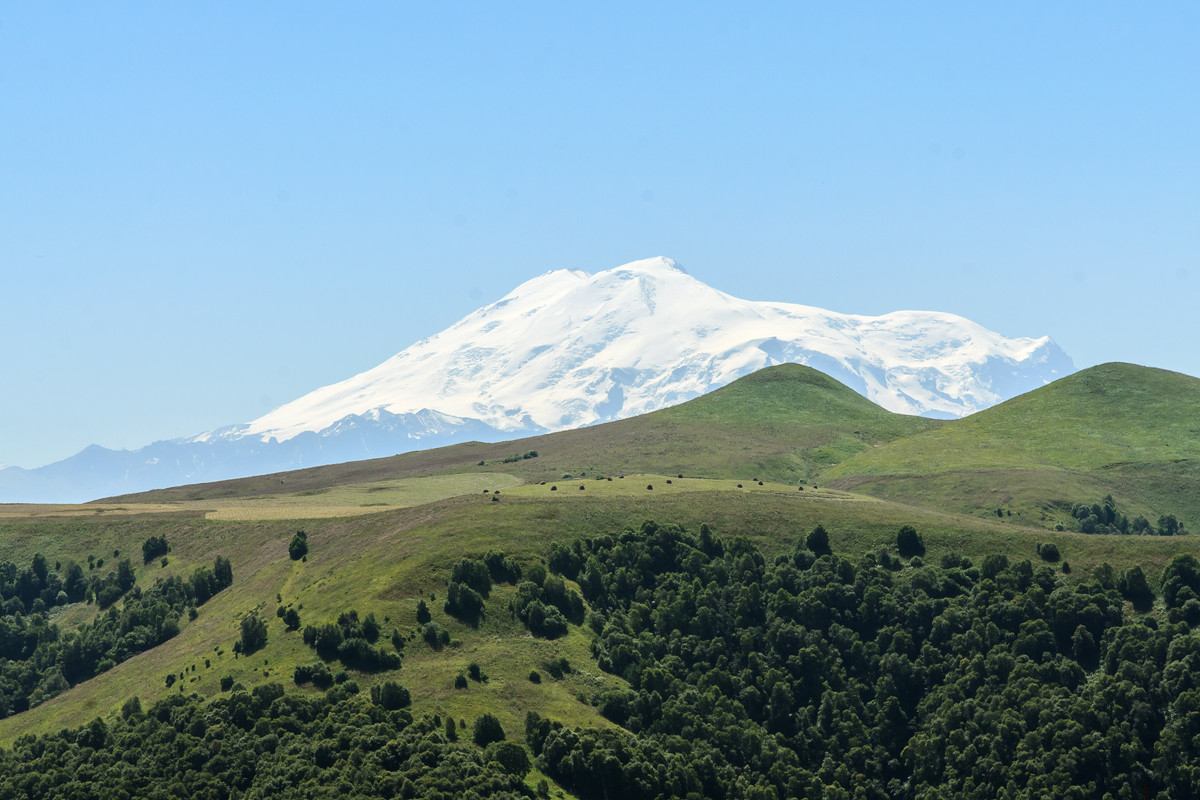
x=210, y=209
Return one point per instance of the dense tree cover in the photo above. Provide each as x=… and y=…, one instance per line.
x=39, y=661
x=1105, y=517
x=36, y=588
x=352, y=641
x=819, y=677
x=258, y=745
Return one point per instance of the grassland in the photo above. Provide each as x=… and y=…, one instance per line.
x=385, y=534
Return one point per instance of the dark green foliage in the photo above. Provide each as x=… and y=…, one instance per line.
x=463, y=602
x=564, y=561
x=1105, y=517
x=39, y=661
x=291, y=618
x=349, y=640
x=264, y=744
x=223, y=572
x=535, y=676
x=131, y=708
x=512, y=757
x=473, y=574
x=1133, y=587
x=254, y=634
x=460, y=681
x=154, y=547
x=435, y=635
x=823, y=678
x=557, y=667
x=391, y=695
x=909, y=543
x=298, y=547
x=502, y=568
x=423, y=614
x=1180, y=581
x=486, y=730
x=521, y=457
x=1048, y=552
x=317, y=674
x=546, y=609
x=451, y=730
x=818, y=541
x=226, y=683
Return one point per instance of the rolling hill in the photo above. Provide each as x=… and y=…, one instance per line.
x=1120, y=429
x=768, y=457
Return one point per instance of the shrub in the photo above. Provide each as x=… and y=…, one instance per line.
x=463, y=602
x=474, y=574
x=512, y=757
x=818, y=541
x=487, y=730
x=1048, y=552
x=435, y=635
x=298, y=547
x=390, y=695
x=254, y=634
x=909, y=543
x=154, y=547
x=291, y=618
x=423, y=614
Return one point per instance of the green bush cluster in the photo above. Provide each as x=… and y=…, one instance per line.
x=1105, y=517
x=39, y=661
x=351, y=641
x=154, y=547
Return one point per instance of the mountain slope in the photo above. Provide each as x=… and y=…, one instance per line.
x=1116, y=428
x=566, y=350
x=786, y=423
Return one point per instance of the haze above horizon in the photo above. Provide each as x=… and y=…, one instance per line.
x=207, y=212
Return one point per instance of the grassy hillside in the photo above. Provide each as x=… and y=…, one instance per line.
x=385, y=562
x=385, y=534
x=786, y=423
x=1122, y=429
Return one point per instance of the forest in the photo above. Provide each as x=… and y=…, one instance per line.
x=808, y=675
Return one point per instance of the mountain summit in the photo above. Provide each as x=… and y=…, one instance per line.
x=568, y=349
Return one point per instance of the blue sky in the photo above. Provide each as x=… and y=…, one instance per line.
x=207, y=210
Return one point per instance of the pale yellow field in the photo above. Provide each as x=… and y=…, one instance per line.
x=337, y=501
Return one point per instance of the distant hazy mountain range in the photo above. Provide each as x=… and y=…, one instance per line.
x=569, y=349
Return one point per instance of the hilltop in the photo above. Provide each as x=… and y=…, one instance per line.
x=1120, y=429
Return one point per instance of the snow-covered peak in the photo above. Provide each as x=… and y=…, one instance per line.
x=568, y=348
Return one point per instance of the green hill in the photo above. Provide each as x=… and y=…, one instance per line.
x=385, y=537
x=1120, y=429
x=786, y=423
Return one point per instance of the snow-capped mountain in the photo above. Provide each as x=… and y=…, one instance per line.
x=569, y=349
